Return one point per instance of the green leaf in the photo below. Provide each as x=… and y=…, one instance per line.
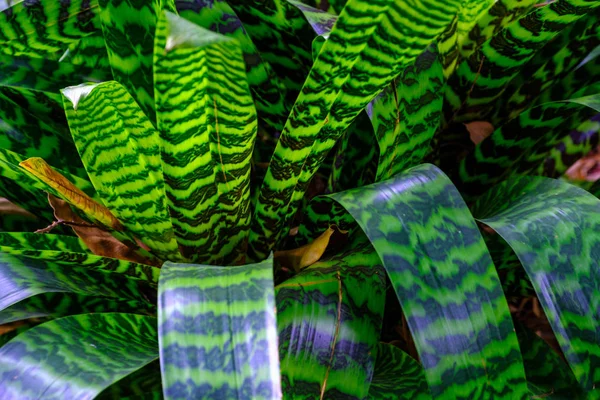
x=445, y=281
x=143, y=384
x=549, y=65
x=329, y=318
x=129, y=28
x=371, y=43
x=217, y=332
x=355, y=158
x=121, y=152
x=27, y=273
x=321, y=22
x=76, y=357
x=406, y=115
x=498, y=16
x=36, y=241
x=283, y=38
x=206, y=157
x=268, y=91
x=53, y=305
x=22, y=131
x=491, y=67
x=397, y=376
x=508, y=152
x=89, y=52
x=547, y=374
x=553, y=228
x=45, y=28
x=574, y=146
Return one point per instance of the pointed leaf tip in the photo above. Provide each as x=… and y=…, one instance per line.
x=183, y=33
x=77, y=93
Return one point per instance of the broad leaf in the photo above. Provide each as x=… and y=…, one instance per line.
x=445, y=281
x=45, y=28
x=553, y=228
x=217, y=332
x=207, y=122
x=397, y=376
x=489, y=69
x=76, y=357
x=508, y=152
x=329, y=318
x=364, y=52
x=27, y=273
x=36, y=241
x=121, y=152
x=129, y=28
x=268, y=90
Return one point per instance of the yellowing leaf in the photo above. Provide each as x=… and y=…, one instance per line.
x=302, y=257
x=70, y=193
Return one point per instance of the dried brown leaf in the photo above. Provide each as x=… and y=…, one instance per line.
x=99, y=241
x=9, y=208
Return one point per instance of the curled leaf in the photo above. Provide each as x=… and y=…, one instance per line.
x=69, y=192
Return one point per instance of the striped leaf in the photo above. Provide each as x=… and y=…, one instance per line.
x=498, y=16
x=508, y=152
x=76, y=357
x=45, y=28
x=121, y=152
x=553, y=228
x=89, y=52
x=53, y=305
x=25, y=274
x=283, y=38
x=397, y=376
x=445, y=281
x=22, y=131
x=267, y=89
x=490, y=68
x=574, y=146
x=129, y=27
x=547, y=374
x=549, y=65
x=329, y=318
x=217, y=332
x=370, y=44
x=355, y=158
x=406, y=115
x=35, y=241
x=207, y=123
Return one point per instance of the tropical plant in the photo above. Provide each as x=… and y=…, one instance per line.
x=329, y=199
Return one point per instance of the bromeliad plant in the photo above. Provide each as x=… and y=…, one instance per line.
x=168, y=153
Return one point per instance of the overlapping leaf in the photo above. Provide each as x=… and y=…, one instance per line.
x=207, y=122
x=217, y=332
x=445, y=281
x=491, y=67
x=364, y=52
x=45, y=28
x=397, y=376
x=267, y=89
x=121, y=151
x=507, y=151
x=329, y=317
x=76, y=357
x=553, y=228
